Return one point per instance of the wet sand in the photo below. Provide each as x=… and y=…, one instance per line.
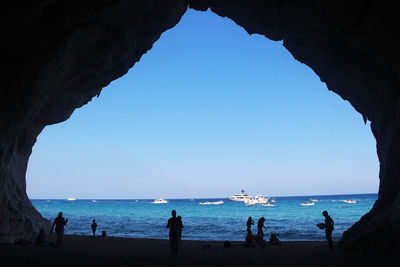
x=110, y=251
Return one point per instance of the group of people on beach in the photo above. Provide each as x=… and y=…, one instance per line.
x=175, y=226
x=252, y=240
x=59, y=223
x=259, y=238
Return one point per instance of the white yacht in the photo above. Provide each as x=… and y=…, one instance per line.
x=350, y=201
x=314, y=200
x=240, y=197
x=159, y=201
x=71, y=199
x=308, y=204
x=212, y=203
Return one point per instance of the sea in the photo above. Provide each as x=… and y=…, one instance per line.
x=139, y=218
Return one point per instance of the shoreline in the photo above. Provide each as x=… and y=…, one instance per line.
x=81, y=250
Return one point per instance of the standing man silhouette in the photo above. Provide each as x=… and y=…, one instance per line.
x=329, y=223
x=59, y=222
x=94, y=227
x=175, y=230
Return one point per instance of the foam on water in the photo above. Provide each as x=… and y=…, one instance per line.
x=142, y=219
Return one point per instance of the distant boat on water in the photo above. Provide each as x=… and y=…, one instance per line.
x=268, y=205
x=159, y=201
x=212, y=203
x=259, y=199
x=71, y=199
x=250, y=203
x=242, y=196
x=314, y=200
x=308, y=204
x=350, y=201
x=94, y=200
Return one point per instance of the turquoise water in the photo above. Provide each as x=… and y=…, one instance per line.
x=142, y=219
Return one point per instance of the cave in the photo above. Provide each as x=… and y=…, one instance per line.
x=60, y=54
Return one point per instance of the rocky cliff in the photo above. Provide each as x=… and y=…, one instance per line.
x=57, y=55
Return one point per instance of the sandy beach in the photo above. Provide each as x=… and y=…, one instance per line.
x=110, y=251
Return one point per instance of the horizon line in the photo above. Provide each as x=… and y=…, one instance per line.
x=177, y=198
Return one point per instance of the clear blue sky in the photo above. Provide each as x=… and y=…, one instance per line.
x=208, y=111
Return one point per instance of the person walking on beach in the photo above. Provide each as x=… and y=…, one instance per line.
x=260, y=234
x=329, y=223
x=249, y=223
x=175, y=231
x=59, y=222
x=94, y=227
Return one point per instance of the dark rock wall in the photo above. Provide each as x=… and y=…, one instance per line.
x=353, y=46
x=57, y=55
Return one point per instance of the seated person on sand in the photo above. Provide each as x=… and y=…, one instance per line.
x=40, y=239
x=273, y=240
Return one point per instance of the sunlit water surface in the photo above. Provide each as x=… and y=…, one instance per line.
x=142, y=219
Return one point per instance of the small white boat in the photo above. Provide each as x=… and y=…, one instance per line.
x=259, y=199
x=273, y=200
x=212, y=203
x=94, y=200
x=350, y=201
x=250, y=202
x=308, y=204
x=71, y=199
x=159, y=201
x=268, y=205
x=314, y=200
x=240, y=197
x=47, y=200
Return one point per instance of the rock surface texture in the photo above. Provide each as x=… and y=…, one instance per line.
x=57, y=55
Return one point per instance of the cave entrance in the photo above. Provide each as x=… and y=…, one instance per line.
x=210, y=110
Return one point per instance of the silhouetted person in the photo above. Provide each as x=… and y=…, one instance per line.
x=249, y=223
x=94, y=227
x=41, y=238
x=329, y=223
x=273, y=240
x=249, y=243
x=59, y=222
x=180, y=230
x=175, y=230
x=260, y=233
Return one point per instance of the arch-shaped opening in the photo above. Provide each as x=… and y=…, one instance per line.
x=79, y=49
x=208, y=110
